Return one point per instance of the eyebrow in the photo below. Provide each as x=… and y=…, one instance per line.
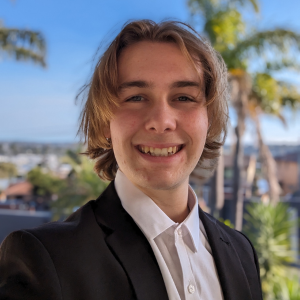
x=185, y=83
x=144, y=84
x=137, y=83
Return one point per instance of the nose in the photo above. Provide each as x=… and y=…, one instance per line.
x=161, y=117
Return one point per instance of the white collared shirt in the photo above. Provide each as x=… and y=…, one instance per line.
x=181, y=250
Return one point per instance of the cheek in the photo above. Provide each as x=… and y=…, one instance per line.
x=197, y=126
x=122, y=128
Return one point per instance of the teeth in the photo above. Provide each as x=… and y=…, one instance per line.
x=159, y=151
x=164, y=152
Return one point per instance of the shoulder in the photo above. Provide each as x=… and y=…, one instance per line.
x=239, y=240
x=54, y=234
x=21, y=274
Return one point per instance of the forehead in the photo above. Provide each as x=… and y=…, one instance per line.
x=156, y=62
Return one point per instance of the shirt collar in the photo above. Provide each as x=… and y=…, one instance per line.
x=192, y=220
x=139, y=205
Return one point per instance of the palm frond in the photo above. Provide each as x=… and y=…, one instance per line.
x=224, y=28
x=284, y=63
x=290, y=95
x=23, y=44
x=253, y=3
x=280, y=40
x=205, y=8
x=209, y=7
x=272, y=95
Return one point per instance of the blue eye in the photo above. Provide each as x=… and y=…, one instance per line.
x=184, y=99
x=135, y=99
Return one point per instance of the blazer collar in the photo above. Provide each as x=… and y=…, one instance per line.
x=230, y=270
x=135, y=254
x=130, y=246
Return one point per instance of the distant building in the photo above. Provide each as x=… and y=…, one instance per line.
x=21, y=190
x=20, y=196
x=288, y=172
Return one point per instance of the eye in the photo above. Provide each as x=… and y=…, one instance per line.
x=135, y=99
x=184, y=99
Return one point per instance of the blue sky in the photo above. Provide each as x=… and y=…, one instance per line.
x=38, y=104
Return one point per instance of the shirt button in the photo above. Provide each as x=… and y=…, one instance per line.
x=191, y=289
x=179, y=231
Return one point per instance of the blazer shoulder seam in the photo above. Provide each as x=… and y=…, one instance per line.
x=35, y=237
x=246, y=238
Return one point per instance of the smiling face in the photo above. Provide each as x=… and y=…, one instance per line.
x=159, y=130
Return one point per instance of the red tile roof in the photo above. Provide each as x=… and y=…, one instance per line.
x=21, y=188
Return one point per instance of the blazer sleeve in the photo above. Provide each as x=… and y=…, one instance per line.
x=26, y=269
x=255, y=257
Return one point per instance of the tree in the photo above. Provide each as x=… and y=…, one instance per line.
x=270, y=96
x=240, y=45
x=269, y=227
x=22, y=44
x=80, y=186
x=8, y=170
x=44, y=183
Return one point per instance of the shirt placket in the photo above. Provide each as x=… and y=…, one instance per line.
x=190, y=290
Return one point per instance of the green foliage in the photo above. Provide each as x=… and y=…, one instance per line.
x=238, y=44
x=23, y=44
x=269, y=227
x=259, y=44
x=207, y=8
x=272, y=94
x=81, y=186
x=44, y=183
x=73, y=158
x=8, y=170
x=227, y=223
x=224, y=29
x=287, y=288
x=267, y=90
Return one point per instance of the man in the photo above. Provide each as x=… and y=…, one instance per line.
x=156, y=107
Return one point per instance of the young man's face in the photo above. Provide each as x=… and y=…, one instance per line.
x=162, y=111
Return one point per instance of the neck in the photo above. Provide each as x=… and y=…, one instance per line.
x=173, y=202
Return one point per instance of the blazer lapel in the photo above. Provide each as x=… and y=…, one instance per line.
x=130, y=247
x=230, y=270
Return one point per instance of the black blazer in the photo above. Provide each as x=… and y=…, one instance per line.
x=99, y=253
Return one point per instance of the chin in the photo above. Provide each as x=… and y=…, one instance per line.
x=160, y=182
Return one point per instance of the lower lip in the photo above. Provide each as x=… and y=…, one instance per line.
x=160, y=159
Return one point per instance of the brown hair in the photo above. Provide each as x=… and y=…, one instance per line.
x=102, y=89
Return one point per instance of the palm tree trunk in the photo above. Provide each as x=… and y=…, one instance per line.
x=238, y=193
x=220, y=182
x=216, y=201
x=251, y=170
x=240, y=90
x=268, y=166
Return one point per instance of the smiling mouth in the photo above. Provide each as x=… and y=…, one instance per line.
x=160, y=151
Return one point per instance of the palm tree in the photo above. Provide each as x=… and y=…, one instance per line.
x=223, y=24
x=22, y=45
x=270, y=96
